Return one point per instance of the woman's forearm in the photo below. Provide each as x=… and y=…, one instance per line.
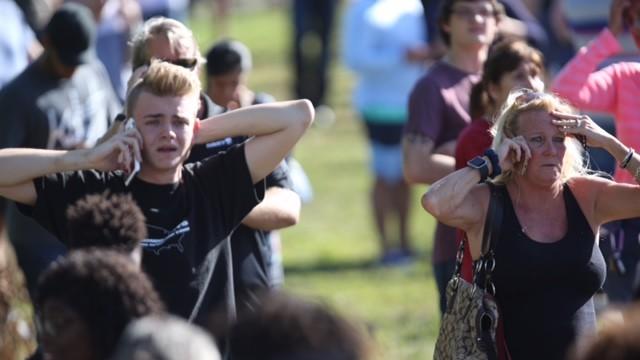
x=625, y=156
x=447, y=194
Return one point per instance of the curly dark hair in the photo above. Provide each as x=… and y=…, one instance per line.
x=106, y=220
x=105, y=288
x=285, y=327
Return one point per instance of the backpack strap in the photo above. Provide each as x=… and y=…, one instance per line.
x=213, y=261
x=222, y=248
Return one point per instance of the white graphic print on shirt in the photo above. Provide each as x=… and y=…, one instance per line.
x=163, y=239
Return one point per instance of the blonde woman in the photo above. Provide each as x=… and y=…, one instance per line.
x=548, y=264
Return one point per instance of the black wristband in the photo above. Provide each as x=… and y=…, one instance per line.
x=495, y=162
x=625, y=162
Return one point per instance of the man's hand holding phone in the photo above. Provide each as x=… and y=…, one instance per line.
x=130, y=125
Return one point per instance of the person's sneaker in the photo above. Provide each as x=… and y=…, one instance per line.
x=395, y=258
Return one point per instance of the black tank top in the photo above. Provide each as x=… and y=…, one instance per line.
x=545, y=290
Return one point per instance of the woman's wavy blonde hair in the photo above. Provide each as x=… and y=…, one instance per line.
x=506, y=126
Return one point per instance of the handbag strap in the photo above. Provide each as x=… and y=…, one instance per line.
x=486, y=263
x=493, y=222
x=491, y=234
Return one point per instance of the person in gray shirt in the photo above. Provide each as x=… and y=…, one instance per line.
x=63, y=100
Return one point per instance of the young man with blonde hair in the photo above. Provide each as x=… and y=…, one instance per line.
x=190, y=209
x=171, y=41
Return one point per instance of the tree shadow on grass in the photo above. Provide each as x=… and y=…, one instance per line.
x=343, y=265
x=331, y=266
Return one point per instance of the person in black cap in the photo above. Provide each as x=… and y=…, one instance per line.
x=63, y=100
x=70, y=36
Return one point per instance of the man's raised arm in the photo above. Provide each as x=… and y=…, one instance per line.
x=275, y=127
x=22, y=165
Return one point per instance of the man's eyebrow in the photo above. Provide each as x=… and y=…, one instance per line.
x=152, y=116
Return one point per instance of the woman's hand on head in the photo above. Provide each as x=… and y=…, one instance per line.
x=581, y=125
x=513, y=153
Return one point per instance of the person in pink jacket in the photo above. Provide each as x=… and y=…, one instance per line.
x=614, y=89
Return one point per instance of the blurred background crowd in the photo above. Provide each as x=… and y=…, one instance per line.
x=362, y=244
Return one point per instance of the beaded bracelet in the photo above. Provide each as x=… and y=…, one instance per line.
x=625, y=162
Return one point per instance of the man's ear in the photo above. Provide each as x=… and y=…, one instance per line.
x=196, y=130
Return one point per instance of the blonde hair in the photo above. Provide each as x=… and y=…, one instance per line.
x=178, y=35
x=163, y=79
x=506, y=126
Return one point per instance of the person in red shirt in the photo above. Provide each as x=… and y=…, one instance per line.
x=511, y=64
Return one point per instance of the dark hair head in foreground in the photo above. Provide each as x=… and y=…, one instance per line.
x=106, y=220
x=617, y=337
x=285, y=327
x=84, y=302
x=165, y=337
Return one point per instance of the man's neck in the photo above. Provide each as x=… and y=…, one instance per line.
x=469, y=60
x=157, y=177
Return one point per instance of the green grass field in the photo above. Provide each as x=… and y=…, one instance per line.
x=329, y=254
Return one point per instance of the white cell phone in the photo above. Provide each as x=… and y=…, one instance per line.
x=131, y=124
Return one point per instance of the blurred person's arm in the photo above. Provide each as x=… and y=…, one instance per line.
x=28, y=164
x=35, y=50
x=117, y=125
x=558, y=21
x=580, y=83
x=423, y=162
x=280, y=208
x=131, y=12
x=522, y=23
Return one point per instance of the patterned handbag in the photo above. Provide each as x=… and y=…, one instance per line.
x=470, y=322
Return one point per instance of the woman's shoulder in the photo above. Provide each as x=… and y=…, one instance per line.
x=589, y=181
x=585, y=188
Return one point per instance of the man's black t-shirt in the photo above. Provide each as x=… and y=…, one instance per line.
x=250, y=248
x=185, y=221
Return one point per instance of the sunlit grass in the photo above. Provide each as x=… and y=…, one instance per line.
x=329, y=255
